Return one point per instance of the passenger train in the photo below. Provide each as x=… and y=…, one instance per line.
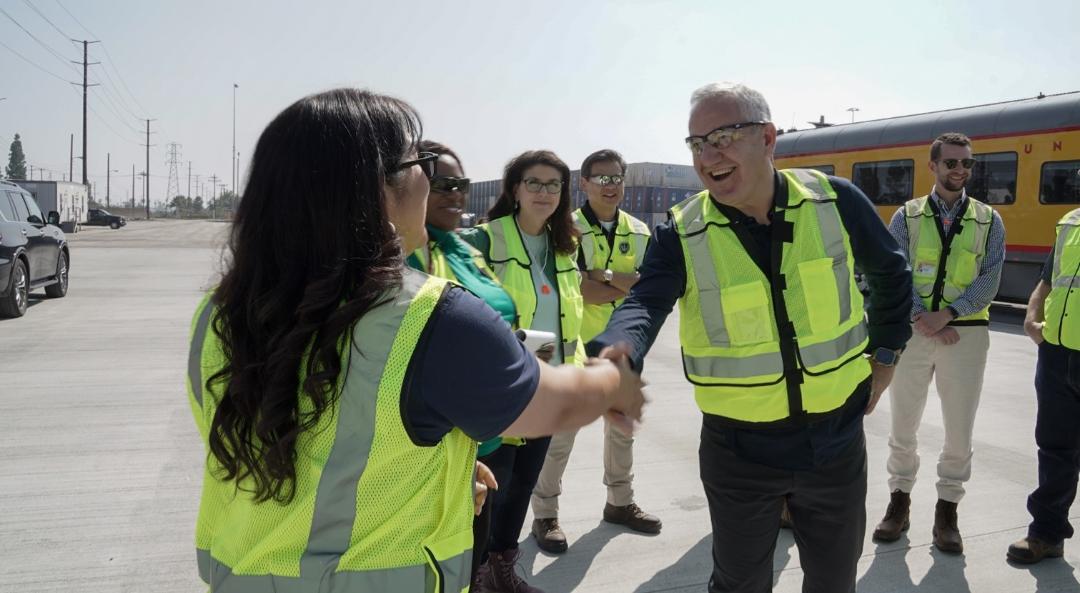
x=1027, y=167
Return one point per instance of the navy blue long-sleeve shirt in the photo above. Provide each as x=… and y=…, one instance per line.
x=877, y=255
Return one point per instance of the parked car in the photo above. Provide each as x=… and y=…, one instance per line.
x=33, y=251
x=99, y=217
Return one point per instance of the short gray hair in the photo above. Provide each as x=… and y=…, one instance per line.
x=752, y=104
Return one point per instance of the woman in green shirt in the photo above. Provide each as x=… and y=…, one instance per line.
x=447, y=255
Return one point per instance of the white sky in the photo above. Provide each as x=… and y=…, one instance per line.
x=492, y=79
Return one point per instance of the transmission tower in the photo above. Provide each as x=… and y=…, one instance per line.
x=172, y=159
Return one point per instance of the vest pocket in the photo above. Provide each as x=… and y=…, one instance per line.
x=924, y=266
x=746, y=313
x=965, y=270
x=820, y=293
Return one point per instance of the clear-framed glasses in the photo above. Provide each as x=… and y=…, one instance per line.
x=534, y=185
x=952, y=163
x=426, y=160
x=606, y=179
x=445, y=184
x=720, y=138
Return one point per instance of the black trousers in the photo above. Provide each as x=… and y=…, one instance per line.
x=828, y=508
x=1057, y=433
x=516, y=470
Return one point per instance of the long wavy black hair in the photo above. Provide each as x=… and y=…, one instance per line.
x=564, y=234
x=311, y=251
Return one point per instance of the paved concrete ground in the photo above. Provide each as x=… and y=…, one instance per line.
x=100, y=462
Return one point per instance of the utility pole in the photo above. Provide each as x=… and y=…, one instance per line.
x=133, y=186
x=147, y=171
x=71, y=157
x=233, y=153
x=189, y=180
x=85, y=65
x=108, y=173
x=172, y=188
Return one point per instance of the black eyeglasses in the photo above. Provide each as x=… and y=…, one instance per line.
x=606, y=179
x=446, y=184
x=951, y=163
x=535, y=185
x=426, y=160
x=720, y=138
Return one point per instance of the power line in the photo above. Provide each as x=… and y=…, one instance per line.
x=42, y=15
x=49, y=49
x=29, y=61
x=111, y=62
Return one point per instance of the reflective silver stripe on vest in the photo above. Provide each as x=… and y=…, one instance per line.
x=1065, y=281
x=1065, y=227
x=569, y=349
x=498, y=248
x=406, y=579
x=588, y=238
x=194, y=367
x=712, y=310
x=771, y=363
x=832, y=235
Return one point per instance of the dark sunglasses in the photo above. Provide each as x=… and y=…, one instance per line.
x=426, y=160
x=446, y=184
x=951, y=163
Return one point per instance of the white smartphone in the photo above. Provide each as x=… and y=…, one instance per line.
x=535, y=339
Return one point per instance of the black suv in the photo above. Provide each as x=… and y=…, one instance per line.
x=33, y=252
x=99, y=217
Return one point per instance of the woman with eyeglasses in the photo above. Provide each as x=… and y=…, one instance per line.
x=338, y=408
x=447, y=255
x=531, y=243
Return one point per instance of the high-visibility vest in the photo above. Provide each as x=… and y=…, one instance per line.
x=941, y=275
x=372, y=511
x=732, y=341
x=1062, y=307
x=440, y=264
x=512, y=265
x=625, y=255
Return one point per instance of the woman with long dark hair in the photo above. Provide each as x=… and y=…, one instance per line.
x=339, y=411
x=531, y=244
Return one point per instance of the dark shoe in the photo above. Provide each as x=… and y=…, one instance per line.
x=549, y=536
x=503, y=576
x=481, y=581
x=633, y=517
x=946, y=533
x=1032, y=549
x=897, y=518
x=785, y=517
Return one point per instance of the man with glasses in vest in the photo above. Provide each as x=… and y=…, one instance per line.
x=610, y=253
x=956, y=246
x=774, y=338
x=1053, y=322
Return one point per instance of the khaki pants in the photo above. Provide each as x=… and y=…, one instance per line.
x=957, y=372
x=618, y=475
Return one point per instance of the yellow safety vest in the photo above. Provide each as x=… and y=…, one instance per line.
x=440, y=266
x=941, y=275
x=511, y=263
x=731, y=340
x=372, y=511
x=631, y=238
x=1062, y=306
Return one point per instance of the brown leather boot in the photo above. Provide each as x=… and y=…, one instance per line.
x=549, y=536
x=897, y=518
x=785, y=517
x=946, y=533
x=504, y=577
x=633, y=517
x=1032, y=549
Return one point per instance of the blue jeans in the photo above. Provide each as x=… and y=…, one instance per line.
x=1057, y=433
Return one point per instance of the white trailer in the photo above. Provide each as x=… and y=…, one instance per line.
x=70, y=200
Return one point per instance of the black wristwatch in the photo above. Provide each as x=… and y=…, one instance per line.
x=885, y=357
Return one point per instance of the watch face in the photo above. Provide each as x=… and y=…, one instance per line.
x=884, y=356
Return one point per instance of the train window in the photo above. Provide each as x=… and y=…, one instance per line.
x=993, y=180
x=885, y=182
x=1060, y=183
x=826, y=169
